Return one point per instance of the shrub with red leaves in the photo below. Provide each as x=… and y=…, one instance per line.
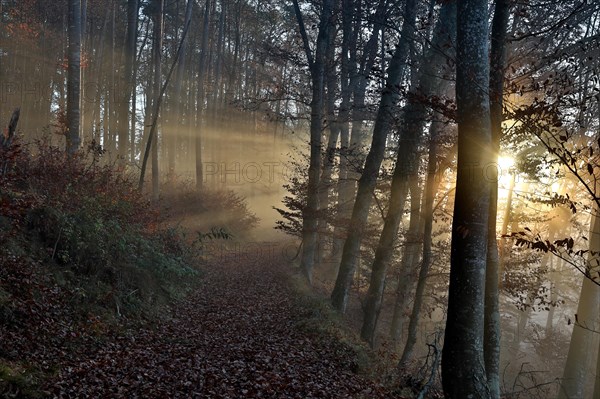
x=79, y=247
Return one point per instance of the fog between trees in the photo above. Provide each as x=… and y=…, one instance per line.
x=433, y=164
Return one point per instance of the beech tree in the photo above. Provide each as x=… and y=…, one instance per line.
x=316, y=65
x=463, y=370
x=492, y=312
x=368, y=179
x=127, y=97
x=411, y=132
x=573, y=383
x=74, y=78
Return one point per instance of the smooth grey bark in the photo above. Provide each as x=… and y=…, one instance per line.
x=596, y=394
x=73, y=138
x=414, y=118
x=431, y=186
x=410, y=258
x=463, y=370
x=368, y=179
x=355, y=77
x=317, y=73
x=325, y=182
x=575, y=376
x=348, y=80
x=492, y=308
x=203, y=66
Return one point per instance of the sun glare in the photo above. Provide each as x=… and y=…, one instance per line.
x=506, y=162
x=506, y=172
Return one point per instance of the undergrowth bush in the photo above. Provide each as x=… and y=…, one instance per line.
x=81, y=247
x=88, y=221
x=204, y=210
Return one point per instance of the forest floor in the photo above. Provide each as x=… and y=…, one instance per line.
x=239, y=335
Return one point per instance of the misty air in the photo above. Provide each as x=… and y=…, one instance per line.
x=300, y=199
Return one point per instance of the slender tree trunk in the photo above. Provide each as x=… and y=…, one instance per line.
x=328, y=161
x=358, y=78
x=596, y=394
x=506, y=219
x=74, y=77
x=317, y=69
x=157, y=62
x=345, y=186
x=576, y=374
x=125, y=96
x=85, y=47
x=492, y=310
x=414, y=118
x=156, y=108
x=553, y=277
x=410, y=258
x=430, y=190
x=134, y=80
x=201, y=94
x=463, y=370
x=110, y=105
x=366, y=184
x=218, y=73
x=176, y=125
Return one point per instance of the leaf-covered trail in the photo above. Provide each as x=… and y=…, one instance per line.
x=236, y=337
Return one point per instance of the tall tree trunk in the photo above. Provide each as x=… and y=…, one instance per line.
x=463, y=371
x=492, y=310
x=430, y=190
x=134, y=78
x=596, y=394
x=110, y=105
x=203, y=65
x=366, y=184
x=334, y=133
x=84, y=48
x=354, y=85
x=74, y=77
x=157, y=62
x=575, y=376
x=410, y=258
x=218, y=72
x=176, y=126
x=317, y=72
x=345, y=186
x=414, y=118
x=360, y=78
x=123, y=122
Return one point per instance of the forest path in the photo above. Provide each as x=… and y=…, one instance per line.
x=235, y=337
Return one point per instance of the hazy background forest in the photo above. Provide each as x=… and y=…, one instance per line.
x=324, y=136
